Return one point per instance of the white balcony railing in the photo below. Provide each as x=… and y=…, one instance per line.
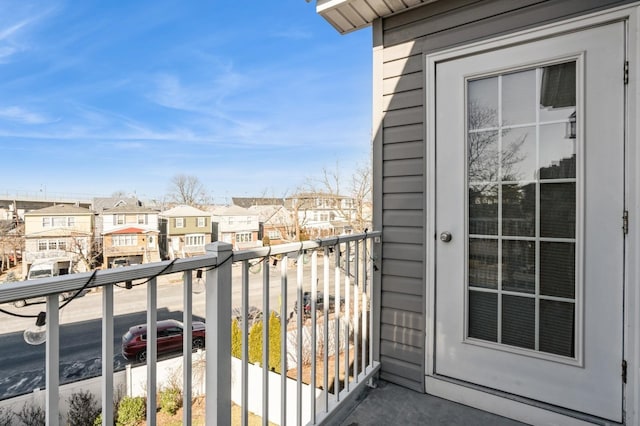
x=340, y=269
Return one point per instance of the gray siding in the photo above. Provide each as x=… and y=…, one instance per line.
x=400, y=43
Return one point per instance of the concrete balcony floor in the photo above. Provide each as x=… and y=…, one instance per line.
x=390, y=404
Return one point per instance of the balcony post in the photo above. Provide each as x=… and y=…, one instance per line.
x=218, y=338
x=52, y=361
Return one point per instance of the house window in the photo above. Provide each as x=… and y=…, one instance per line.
x=58, y=221
x=118, y=219
x=194, y=240
x=243, y=237
x=201, y=222
x=142, y=219
x=179, y=222
x=44, y=245
x=274, y=235
x=125, y=240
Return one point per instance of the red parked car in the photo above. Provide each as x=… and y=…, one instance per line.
x=134, y=341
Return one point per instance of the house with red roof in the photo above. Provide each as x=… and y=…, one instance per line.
x=129, y=235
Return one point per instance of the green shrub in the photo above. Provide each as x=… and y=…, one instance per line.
x=255, y=343
x=236, y=339
x=170, y=400
x=274, y=342
x=83, y=408
x=98, y=420
x=131, y=411
x=32, y=415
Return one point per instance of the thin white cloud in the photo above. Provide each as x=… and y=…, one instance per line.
x=12, y=36
x=10, y=31
x=21, y=115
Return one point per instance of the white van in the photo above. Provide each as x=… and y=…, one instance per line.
x=44, y=269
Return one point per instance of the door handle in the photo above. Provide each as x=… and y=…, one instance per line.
x=445, y=237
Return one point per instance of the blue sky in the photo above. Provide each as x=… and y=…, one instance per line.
x=105, y=96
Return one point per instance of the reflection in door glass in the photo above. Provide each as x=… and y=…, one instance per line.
x=519, y=97
x=483, y=104
x=522, y=182
x=483, y=209
x=518, y=154
x=557, y=152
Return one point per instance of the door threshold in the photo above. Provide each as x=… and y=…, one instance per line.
x=508, y=405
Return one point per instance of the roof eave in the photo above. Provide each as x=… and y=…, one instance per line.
x=351, y=15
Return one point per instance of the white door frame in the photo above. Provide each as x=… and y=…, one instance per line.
x=500, y=404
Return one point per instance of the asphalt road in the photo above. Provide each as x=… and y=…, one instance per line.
x=22, y=365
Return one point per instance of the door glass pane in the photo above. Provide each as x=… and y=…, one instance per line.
x=483, y=263
x=557, y=91
x=519, y=98
x=519, y=321
x=483, y=156
x=522, y=182
x=519, y=210
x=483, y=209
x=557, y=269
x=557, y=153
x=558, y=210
x=557, y=327
x=519, y=266
x=518, y=156
x=482, y=103
x=483, y=320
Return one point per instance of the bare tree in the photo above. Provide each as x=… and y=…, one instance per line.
x=298, y=204
x=85, y=249
x=187, y=189
x=11, y=243
x=351, y=196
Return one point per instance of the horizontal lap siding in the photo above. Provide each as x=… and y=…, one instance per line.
x=402, y=313
x=406, y=38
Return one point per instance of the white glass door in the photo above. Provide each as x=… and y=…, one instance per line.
x=528, y=205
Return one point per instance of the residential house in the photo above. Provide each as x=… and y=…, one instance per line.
x=320, y=214
x=184, y=231
x=237, y=226
x=276, y=224
x=130, y=234
x=100, y=204
x=62, y=232
x=505, y=164
x=248, y=202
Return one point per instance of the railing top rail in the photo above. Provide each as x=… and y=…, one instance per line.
x=302, y=245
x=73, y=282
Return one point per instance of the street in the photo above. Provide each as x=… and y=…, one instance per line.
x=22, y=366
